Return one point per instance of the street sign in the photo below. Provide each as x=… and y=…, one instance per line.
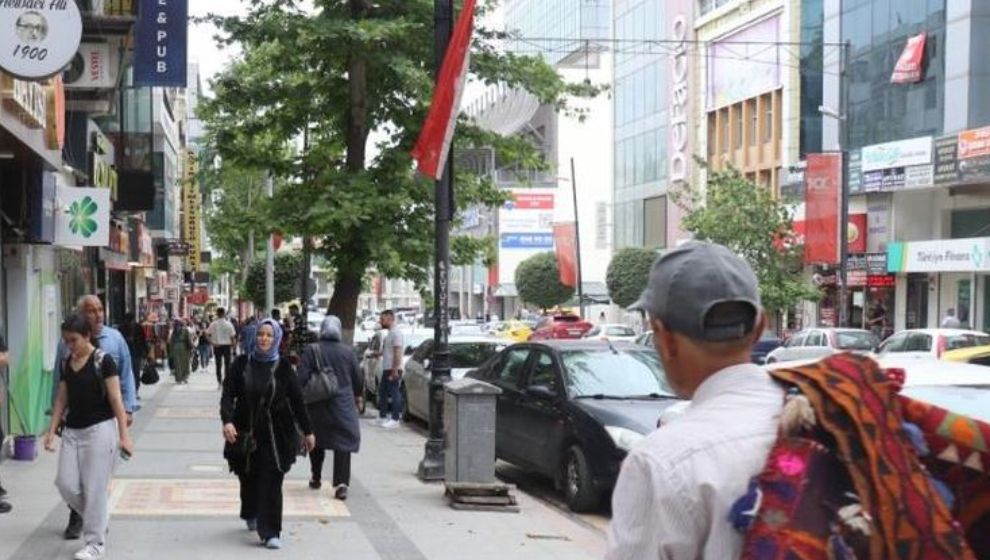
x=38, y=39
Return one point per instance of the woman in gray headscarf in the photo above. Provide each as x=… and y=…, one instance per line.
x=335, y=421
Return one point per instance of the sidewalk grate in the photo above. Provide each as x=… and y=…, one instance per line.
x=210, y=498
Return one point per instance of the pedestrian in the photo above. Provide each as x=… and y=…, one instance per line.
x=133, y=334
x=180, y=349
x=301, y=336
x=247, y=335
x=950, y=321
x=877, y=320
x=221, y=335
x=93, y=429
x=335, y=421
x=260, y=408
x=203, y=346
x=389, y=396
x=676, y=487
x=112, y=343
x=5, y=506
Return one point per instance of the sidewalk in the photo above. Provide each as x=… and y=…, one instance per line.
x=175, y=500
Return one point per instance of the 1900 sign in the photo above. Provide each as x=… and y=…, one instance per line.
x=38, y=37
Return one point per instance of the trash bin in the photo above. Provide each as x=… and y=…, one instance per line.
x=469, y=425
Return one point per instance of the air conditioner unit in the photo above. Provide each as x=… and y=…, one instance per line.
x=95, y=66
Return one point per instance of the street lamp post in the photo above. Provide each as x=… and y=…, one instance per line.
x=432, y=465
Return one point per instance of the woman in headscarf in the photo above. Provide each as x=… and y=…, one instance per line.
x=180, y=347
x=261, y=406
x=335, y=421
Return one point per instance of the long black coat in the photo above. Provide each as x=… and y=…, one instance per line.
x=238, y=406
x=335, y=422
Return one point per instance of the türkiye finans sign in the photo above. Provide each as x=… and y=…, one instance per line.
x=38, y=38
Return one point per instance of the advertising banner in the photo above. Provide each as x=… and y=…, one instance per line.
x=902, y=153
x=856, y=230
x=525, y=225
x=909, y=65
x=565, y=245
x=160, y=44
x=940, y=255
x=823, y=179
x=82, y=217
x=744, y=64
x=974, y=143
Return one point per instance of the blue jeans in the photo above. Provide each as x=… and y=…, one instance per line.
x=389, y=398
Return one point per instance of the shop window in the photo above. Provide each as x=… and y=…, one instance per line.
x=754, y=129
x=655, y=222
x=970, y=223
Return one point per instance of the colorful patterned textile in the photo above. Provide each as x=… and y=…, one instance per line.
x=882, y=504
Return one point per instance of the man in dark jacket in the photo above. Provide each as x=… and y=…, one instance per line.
x=335, y=421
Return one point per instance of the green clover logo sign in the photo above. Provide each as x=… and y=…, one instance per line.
x=82, y=222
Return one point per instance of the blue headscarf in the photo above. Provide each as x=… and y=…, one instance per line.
x=272, y=354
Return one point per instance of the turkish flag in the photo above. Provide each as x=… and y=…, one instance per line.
x=565, y=245
x=908, y=69
x=437, y=133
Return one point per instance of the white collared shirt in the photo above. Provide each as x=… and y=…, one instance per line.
x=676, y=487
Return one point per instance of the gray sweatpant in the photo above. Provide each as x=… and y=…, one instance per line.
x=85, y=464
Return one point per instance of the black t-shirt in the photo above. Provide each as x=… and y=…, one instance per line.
x=88, y=402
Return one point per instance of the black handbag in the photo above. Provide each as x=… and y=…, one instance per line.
x=322, y=385
x=149, y=374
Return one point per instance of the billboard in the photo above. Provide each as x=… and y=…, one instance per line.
x=744, y=64
x=822, y=193
x=525, y=225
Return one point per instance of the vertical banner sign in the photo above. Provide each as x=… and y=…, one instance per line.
x=82, y=217
x=822, y=196
x=191, y=210
x=160, y=49
x=680, y=33
x=565, y=245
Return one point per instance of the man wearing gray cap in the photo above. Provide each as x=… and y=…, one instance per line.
x=676, y=487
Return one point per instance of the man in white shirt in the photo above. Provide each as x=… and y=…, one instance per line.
x=221, y=335
x=675, y=489
x=950, y=321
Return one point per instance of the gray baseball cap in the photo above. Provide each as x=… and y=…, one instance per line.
x=703, y=291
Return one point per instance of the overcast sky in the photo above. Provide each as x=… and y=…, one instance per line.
x=202, y=47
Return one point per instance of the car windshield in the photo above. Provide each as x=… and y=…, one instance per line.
x=619, y=331
x=957, y=341
x=855, y=340
x=465, y=355
x=618, y=374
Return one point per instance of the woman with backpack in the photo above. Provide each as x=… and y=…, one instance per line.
x=334, y=416
x=94, y=430
x=261, y=406
x=180, y=348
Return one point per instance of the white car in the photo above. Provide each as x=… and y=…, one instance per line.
x=819, y=343
x=371, y=365
x=616, y=332
x=466, y=354
x=930, y=342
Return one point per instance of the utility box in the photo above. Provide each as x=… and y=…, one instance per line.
x=469, y=422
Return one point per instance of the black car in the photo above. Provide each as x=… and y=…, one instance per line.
x=572, y=409
x=767, y=343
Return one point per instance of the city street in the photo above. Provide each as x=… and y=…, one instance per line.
x=174, y=499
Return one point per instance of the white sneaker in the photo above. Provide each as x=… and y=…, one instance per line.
x=390, y=424
x=382, y=422
x=91, y=552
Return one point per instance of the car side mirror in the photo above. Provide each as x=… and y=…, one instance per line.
x=541, y=392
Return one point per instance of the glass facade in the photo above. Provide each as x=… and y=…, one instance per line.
x=812, y=67
x=877, y=31
x=554, y=28
x=640, y=112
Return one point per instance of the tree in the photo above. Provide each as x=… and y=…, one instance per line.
x=288, y=267
x=750, y=220
x=538, y=281
x=332, y=75
x=627, y=274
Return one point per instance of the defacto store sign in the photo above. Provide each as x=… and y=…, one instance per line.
x=941, y=255
x=679, y=101
x=160, y=50
x=38, y=38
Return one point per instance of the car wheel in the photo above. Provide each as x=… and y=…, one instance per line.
x=579, y=489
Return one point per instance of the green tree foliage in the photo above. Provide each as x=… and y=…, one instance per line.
x=332, y=75
x=751, y=221
x=538, y=281
x=627, y=274
x=288, y=267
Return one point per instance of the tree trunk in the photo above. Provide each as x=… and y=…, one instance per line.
x=344, y=302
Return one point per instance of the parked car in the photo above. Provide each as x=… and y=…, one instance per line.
x=979, y=355
x=931, y=342
x=515, y=331
x=645, y=339
x=467, y=329
x=767, y=343
x=571, y=410
x=562, y=326
x=958, y=387
x=466, y=353
x=612, y=331
x=818, y=343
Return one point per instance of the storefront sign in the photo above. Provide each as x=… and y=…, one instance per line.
x=974, y=170
x=898, y=178
x=881, y=281
x=679, y=140
x=176, y=248
x=946, y=170
x=191, y=210
x=744, y=64
x=856, y=231
x=113, y=260
x=55, y=114
x=822, y=197
x=95, y=66
x=82, y=217
x=855, y=174
x=974, y=143
x=38, y=37
x=903, y=153
x=160, y=49
x=941, y=255
x=26, y=100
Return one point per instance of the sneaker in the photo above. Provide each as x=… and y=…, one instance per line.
x=5, y=507
x=382, y=421
x=3, y=492
x=390, y=424
x=315, y=484
x=74, y=529
x=91, y=552
x=341, y=492
x=273, y=543
x=252, y=524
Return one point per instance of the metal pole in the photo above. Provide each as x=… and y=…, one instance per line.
x=270, y=260
x=432, y=465
x=844, y=193
x=577, y=242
